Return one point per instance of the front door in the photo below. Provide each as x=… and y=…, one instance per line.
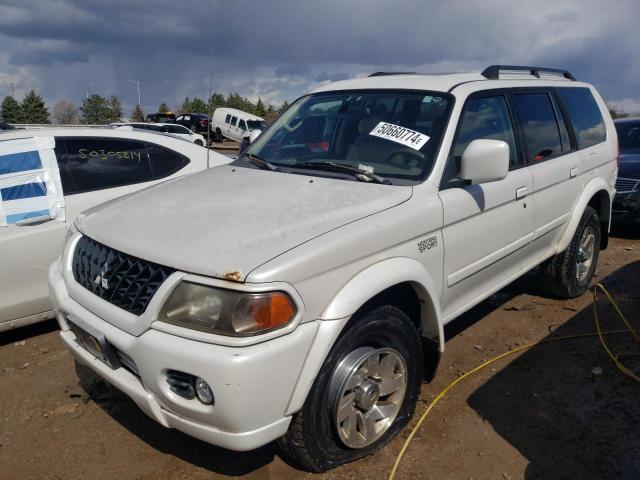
x=488, y=226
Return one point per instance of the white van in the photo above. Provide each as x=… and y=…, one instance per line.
x=48, y=176
x=235, y=124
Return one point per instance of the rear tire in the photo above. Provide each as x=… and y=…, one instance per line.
x=569, y=273
x=219, y=136
x=364, y=394
x=199, y=142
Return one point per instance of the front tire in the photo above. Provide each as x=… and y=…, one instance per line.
x=364, y=394
x=569, y=273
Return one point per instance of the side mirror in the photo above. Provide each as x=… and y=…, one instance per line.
x=484, y=161
x=253, y=135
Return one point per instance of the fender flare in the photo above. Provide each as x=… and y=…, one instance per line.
x=385, y=274
x=356, y=292
x=590, y=189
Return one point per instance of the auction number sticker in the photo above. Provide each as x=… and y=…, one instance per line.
x=396, y=133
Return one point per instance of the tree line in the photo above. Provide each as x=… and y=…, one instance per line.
x=98, y=110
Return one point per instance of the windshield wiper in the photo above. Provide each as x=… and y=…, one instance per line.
x=361, y=172
x=261, y=162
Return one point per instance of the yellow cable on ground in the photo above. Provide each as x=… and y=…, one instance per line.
x=599, y=333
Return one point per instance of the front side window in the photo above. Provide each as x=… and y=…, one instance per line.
x=482, y=118
x=585, y=116
x=97, y=163
x=394, y=133
x=242, y=125
x=539, y=126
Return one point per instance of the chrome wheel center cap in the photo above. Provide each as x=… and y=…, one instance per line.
x=367, y=395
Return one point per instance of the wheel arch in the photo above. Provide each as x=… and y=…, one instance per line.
x=596, y=194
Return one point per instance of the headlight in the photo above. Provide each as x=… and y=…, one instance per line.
x=226, y=312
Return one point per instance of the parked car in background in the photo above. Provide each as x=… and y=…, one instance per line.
x=6, y=126
x=301, y=292
x=95, y=165
x=626, y=205
x=179, y=131
x=235, y=124
x=196, y=122
x=160, y=117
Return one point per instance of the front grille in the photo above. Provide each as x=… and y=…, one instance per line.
x=120, y=279
x=626, y=185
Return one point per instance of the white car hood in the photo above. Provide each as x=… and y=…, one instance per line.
x=227, y=221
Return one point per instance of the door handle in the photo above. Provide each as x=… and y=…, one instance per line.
x=573, y=172
x=521, y=192
x=33, y=220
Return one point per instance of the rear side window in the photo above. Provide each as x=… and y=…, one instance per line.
x=233, y=121
x=483, y=118
x=97, y=163
x=227, y=119
x=65, y=175
x=539, y=125
x=165, y=162
x=585, y=116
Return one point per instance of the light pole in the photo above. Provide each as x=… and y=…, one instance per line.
x=89, y=88
x=137, y=82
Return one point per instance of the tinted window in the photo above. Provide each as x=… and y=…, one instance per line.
x=165, y=162
x=628, y=135
x=242, y=125
x=176, y=129
x=65, y=176
x=233, y=121
x=539, y=125
x=484, y=117
x=227, y=119
x=97, y=163
x=585, y=116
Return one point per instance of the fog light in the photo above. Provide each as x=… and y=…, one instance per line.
x=203, y=391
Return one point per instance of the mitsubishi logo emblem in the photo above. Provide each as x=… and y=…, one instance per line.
x=100, y=279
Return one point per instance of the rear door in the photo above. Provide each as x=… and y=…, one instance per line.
x=26, y=251
x=487, y=227
x=554, y=161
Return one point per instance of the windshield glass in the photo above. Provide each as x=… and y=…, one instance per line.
x=256, y=125
x=628, y=135
x=395, y=133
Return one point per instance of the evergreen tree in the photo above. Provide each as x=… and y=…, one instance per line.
x=115, y=109
x=163, y=108
x=96, y=110
x=260, y=109
x=185, y=107
x=216, y=101
x=283, y=108
x=11, y=111
x=64, y=112
x=138, y=114
x=199, y=106
x=34, y=109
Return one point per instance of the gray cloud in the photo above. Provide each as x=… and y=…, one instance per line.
x=281, y=48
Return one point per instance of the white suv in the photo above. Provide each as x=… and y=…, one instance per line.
x=300, y=292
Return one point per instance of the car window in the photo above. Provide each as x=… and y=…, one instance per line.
x=176, y=129
x=242, y=125
x=483, y=118
x=186, y=118
x=165, y=162
x=628, y=135
x=96, y=163
x=65, y=176
x=585, y=116
x=233, y=121
x=394, y=133
x=539, y=126
x=227, y=119
x=181, y=117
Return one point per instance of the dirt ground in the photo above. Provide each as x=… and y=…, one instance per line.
x=559, y=410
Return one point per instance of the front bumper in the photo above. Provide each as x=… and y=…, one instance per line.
x=252, y=385
x=626, y=206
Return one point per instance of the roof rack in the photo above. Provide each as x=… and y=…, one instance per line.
x=384, y=74
x=493, y=72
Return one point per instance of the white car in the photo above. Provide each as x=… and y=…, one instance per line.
x=48, y=176
x=179, y=131
x=301, y=292
x=235, y=124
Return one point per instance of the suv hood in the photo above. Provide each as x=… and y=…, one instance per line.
x=227, y=221
x=629, y=165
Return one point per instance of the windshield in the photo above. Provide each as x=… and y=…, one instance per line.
x=628, y=135
x=256, y=125
x=394, y=133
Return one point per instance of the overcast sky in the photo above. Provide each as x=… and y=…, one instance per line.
x=279, y=49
